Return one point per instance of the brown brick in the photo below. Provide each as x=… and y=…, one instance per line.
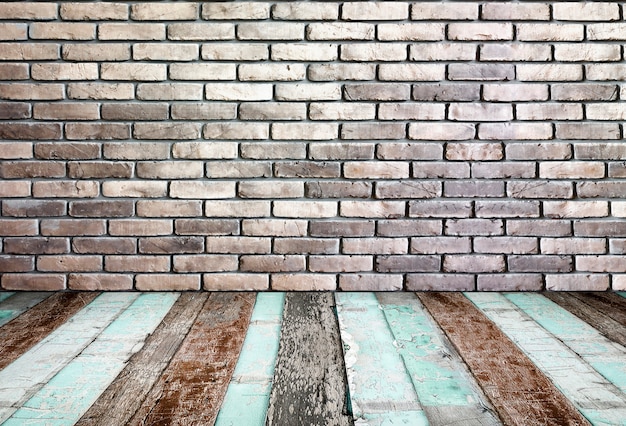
x=205, y=263
x=408, y=263
x=36, y=245
x=506, y=245
x=14, y=111
x=546, y=228
x=33, y=208
x=540, y=263
x=440, y=282
x=303, y=282
x=274, y=227
x=238, y=245
x=165, y=245
x=15, y=189
x=272, y=263
x=169, y=208
x=507, y=208
x=235, y=282
x=67, y=263
x=30, y=91
x=99, y=169
x=307, y=169
x=377, y=245
x=85, y=245
x=18, y=227
x=94, y=12
x=73, y=111
x=10, y=71
x=577, y=282
x=128, y=263
x=167, y=282
x=33, y=282
x=370, y=282
x=237, y=208
x=473, y=263
x=97, y=131
x=614, y=189
x=195, y=111
x=31, y=169
x=306, y=246
x=599, y=228
x=474, y=227
x=97, y=208
x=440, y=245
x=207, y=226
x=140, y=227
x=539, y=189
x=17, y=263
x=340, y=263
x=136, y=151
x=410, y=151
x=270, y=189
x=66, y=189
x=105, y=91
x=30, y=131
x=170, y=169
x=64, y=71
x=100, y=282
x=29, y=51
x=407, y=189
x=135, y=111
x=72, y=227
x=510, y=282
x=342, y=228
x=62, y=31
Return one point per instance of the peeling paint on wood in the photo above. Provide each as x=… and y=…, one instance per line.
x=13, y=306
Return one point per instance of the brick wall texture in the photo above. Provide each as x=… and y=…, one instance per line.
x=370, y=145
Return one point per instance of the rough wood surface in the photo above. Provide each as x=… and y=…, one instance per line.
x=17, y=303
x=24, y=331
x=309, y=386
x=599, y=319
x=610, y=304
x=521, y=394
x=191, y=389
x=124, y=396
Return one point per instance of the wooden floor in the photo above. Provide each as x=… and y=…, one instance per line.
x=291, y=359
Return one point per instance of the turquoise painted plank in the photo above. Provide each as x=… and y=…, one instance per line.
x=6, y=294
x=64, y=399
x=605, y=356
x=622, y=293
x=20, y=380
x=381, y=391
x=444, y=385
x=13, y=306
x=248, y=394
x=601, y=402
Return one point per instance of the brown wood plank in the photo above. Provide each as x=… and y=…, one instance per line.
x=192, y=387
x=23, y=332
x=599, y=320
x=521, y=394
x=610, y=304
x=124, y=396
x=309, y=386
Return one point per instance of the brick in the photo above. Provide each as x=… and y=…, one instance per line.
x=540, y=263
x=207, y=227
x=244, y=52
x=100, y=282
x=339, y=72
x=237, y=208
x=377, y=11
x=9, y=71
x=546, y=228
x=474, y=227
x=503, y=169
x=442, y=52
x=220, y=169
x=97, y=208
x=136, y=263
x=341, y=151
x=599, y=151
x=94, y=12
x=600, y=11
x=483, y=31
x=442, y=131
x=376, y=170
x=584, y=92
x=571, y=170
x=30, y=131
x=36, y=245
x=276, y=189
x=16, y=150
x=613, y=189
x=72, y=227
x=409, y=151
x=31, y=169
x=264, y=151
x=438, y=208
x=66, y=189
x=340, y=31
x=17, y=263
x=64, y=71
x=341, y=111
x=516, y=52
x=231, y=11
x=67, y=263
x=171, y=91
x=129, y=31
x=304, y=131
x=408, y=227
x=549, y=72
x=33, y=208
x=272, y=263
x=62, y=31
x=539, y=189
x=201, y=32
x=15, y=189
x=134, y=189
x=170, y=170
x=104, y=91
x=516, y=92
x=166, y=208
x=411, y=111
x=310, y=11
x=373, y=52
x=447, y=92
x=377, y=131
x=133, y=72
x=28, y=11
x=408, y=263
x=169, y=245
x=29, y=51
x=342, y=228
x=167, y=282
x=380, y=92
x=235, y=282
x=508, y=209
x=589, y=52
x=238, y=245
x=274, y=227
x=538, y=151
x=306, y=246
x=510, y=282
x=165, y=52
x=205, y=263
x=303, y=282
x=617, y=246
x=202, y=190
x=617, y=170
x=70, y=111
x=607, y=263
x=602, y=72
x=18, y=227
x=440, y=245
x=270, y=31
x=473, y=263
x=412, y=190
x=458, y=11
x=11, y=31
x=272, y=72
x=373, y=209
x=135, y=111
x=84, y=53
x=202, y=71
x=440, y=170
x=180, y=11
x=28, y=91
x=338, y=189
x=610, y=31
x=555, y=111
x=136, y=151
x=577, y=282
x=600, y=228
x=196, y=111
x=304, y=209
x=481, y=72
x=515, y=12
x=33, y=282
x=303, y=52
x=440, y=282
x=618, y=282
x=506, y=245
x=140, y=227
x=613, y=112
x=411, y=32
x=97, y=131
x=307, y=92
x=573, y=245
x=474, y=151
x=272, y=111
x=167, y=131
x=480, y=112
x=411, y=72
x=370, y=282
x=550, y=32
x=340, y=263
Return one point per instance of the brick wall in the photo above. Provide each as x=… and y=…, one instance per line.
x=438, y=145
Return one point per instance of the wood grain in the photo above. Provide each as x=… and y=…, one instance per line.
x=24, y=331
x=610, y=304
x=191, y=389
x=309, y=386
x=521, y=394
x=17, y=303
x=121, y=400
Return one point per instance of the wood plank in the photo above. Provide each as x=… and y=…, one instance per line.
x=309, y=386
x=70, y=392
x=5, y=295
x=521, y=394
x=381, y=390
x=599, y=320
x=610, y=304
x=192, y=387
x=596, y=398
x=13, y=306
x=24, y=331
x=445, y=387
x=605, y=356
x=124, y=396
x=21, y=379
x=247, y=397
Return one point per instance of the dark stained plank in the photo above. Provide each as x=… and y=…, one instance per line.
x=191, y=389
x=309, y=386
x=24, y=331
x=610, y=304
x=598, y=319
x=124, y=396
x=521, y=394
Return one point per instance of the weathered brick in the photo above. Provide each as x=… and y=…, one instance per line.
x=303, y=52
x=98, y=208
x=492, y=209
x=202, y=71
x=515, y=11
x=411, y=72
x=538, y=151
x=30, y=131
x=549, y=112
x=408, y=263
x=540, y=263
x=97, y=131
x=136, y=151
x=596, y=11
x=571, y=170
x=342, y=228
x=338, y=189
x=442, y=131
x=95, y=52
x=66, y=189
x=9, y=71
x=550, y=32
x=244, y=52
x=306, y=246
x=271, y=72
x=69, y=111
x=440, y=170
x=238, y=245
x=584, y=92
x=94, y=11
x=131, y=31
x=474, y=227
x=408, y=227
x=515, y=92
x=167, y=282
x=235, y=282
x=72, y=227
x=203, y=111
x=69, y=263
x=599, y=151
x=411, y=111
x=105, y=91
x=617, y=246
x=503, y=169
x=612, y=189
x=272, y=263
x=411, y=32
x=303, y=282
x=338, y=72
x=201, y=32
x=14, y=189
x=603, y=111
x=608, y=31
x=33, y=208
x=169, y=208
x=165, y=52
x=270, y=31
x=304, y=209
x=473, y=263
x=170, y=91
x=249, y=169
x=31, y=169
x=134, y=189
x=600, y=228
x=606, y=263
x=64, y=71
x=272, y=111
x=573, y=246
x=29, y=51
x=180, y=11
x=340, y=31
x=28, y=91
x=140, y=227
x=114, y=263
x=202, y=190
x=311, y=11
x=207, y=227
x=515, y=131
x=539, y=189
x=237, y=208
x=481, y=72
x=62, y=31
x=409, y=190
x=18, y=227
x=336, y=111
x=440, y=245
x=376, y=245
x=274, y=227
x=603, y=72
x=133, y=71
x=577, y=282
x=230, y=11
x=28, y=11
x=549, y=72
x=271, y=189
x=169, y=245
x=448, y=92
x=474, y=151
x=280, y=150
x=506, y=245
x=370, y=282
x=509, y=282
x=100, y=282
x=442, y=51
x=16, y=263
x=36, y=245
x=340, y=263
x=590, y=52
x=516, y=52
x=454, y=209
x=33, y=282
x=409, y=151
x=440, y=282
x=16, y=150
x=480, y=31
x=367, y=209
x=340, y=151
x=13, y=31
x=205, y=263
x=376, y=170
x=373, y=52
x=546, y=228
